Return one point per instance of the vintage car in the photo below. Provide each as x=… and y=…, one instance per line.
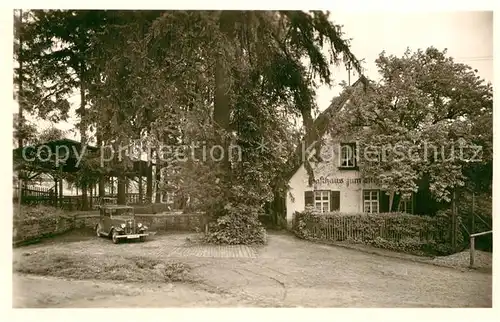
x=118, y=222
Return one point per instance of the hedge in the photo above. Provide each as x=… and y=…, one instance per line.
x=421, y=235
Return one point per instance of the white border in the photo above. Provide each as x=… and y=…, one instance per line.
x=332, y=5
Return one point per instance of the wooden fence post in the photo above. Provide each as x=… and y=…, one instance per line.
x=472, y=251
x=61, y=194
x=472, y=245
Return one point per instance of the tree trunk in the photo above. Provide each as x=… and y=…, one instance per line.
x=221, y=100
x=91, y=204
x=85, y=201
x=55, y=192
x=308, y=123
x=141, y=190
x=149, y=180
x=157, y=180
x=122, y=199
x=60, y=192
x=83, y=130
x=20, y=94
x=102, y=191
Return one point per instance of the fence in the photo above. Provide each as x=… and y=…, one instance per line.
x=472, y=248
x=404, y=232
x=32, y=195
x=479, y=223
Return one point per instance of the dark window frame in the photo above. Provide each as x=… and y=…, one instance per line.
x=371, y=201
x=322, y=201
x=354, y=158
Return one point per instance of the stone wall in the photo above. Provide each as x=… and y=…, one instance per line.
x=86, y=221
x=31, y=229
x=172, y=221
x=154, y=208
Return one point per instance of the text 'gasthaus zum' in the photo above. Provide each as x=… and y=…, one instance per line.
x=346, y=181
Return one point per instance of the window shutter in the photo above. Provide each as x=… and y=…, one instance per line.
x=355, y=154
x=383, y=201
x=334, y=200
x=413, y=203
x=309, y=198
x=395, y=202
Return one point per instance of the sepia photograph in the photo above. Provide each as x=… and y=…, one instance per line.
x=251, y=159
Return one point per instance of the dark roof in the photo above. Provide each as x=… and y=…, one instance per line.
x=322, y=123
x=26, y=157
x=53, y=144
x=29, y=159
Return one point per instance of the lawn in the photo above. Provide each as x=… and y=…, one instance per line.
x=101, y=267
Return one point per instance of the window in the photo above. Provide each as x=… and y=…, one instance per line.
x=348, y=155
x=322, y=200
x=406, y=206
x=371, y=201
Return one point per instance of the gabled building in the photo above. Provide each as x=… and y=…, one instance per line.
x=338, y=184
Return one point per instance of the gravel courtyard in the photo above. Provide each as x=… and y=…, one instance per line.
x=287, y=272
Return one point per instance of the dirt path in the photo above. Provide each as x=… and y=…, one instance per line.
x=287, y=272
x=37, y=291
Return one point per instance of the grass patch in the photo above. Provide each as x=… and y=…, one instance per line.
x=100, y=267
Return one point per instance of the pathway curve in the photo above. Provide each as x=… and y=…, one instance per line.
x=287, y=272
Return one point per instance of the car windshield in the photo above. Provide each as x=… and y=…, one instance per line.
x=122, y=212
x=109, y=201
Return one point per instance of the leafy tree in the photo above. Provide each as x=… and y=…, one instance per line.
x=187, y=77
x=59, y=43
x=50, y=134
x=414, y=123
x=34, y=92
x=222, y=78
x=55, y=58
x=24, y=132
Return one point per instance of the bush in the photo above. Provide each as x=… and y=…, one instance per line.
x=237, y=225
x=394, y=231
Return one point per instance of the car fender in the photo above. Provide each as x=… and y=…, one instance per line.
x=98, y=225
x=143, y=228
x=117, y=228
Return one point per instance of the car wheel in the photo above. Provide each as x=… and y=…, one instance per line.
x=114, y=237
x=142, y=239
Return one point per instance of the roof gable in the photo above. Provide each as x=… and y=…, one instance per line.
x=322, y=122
